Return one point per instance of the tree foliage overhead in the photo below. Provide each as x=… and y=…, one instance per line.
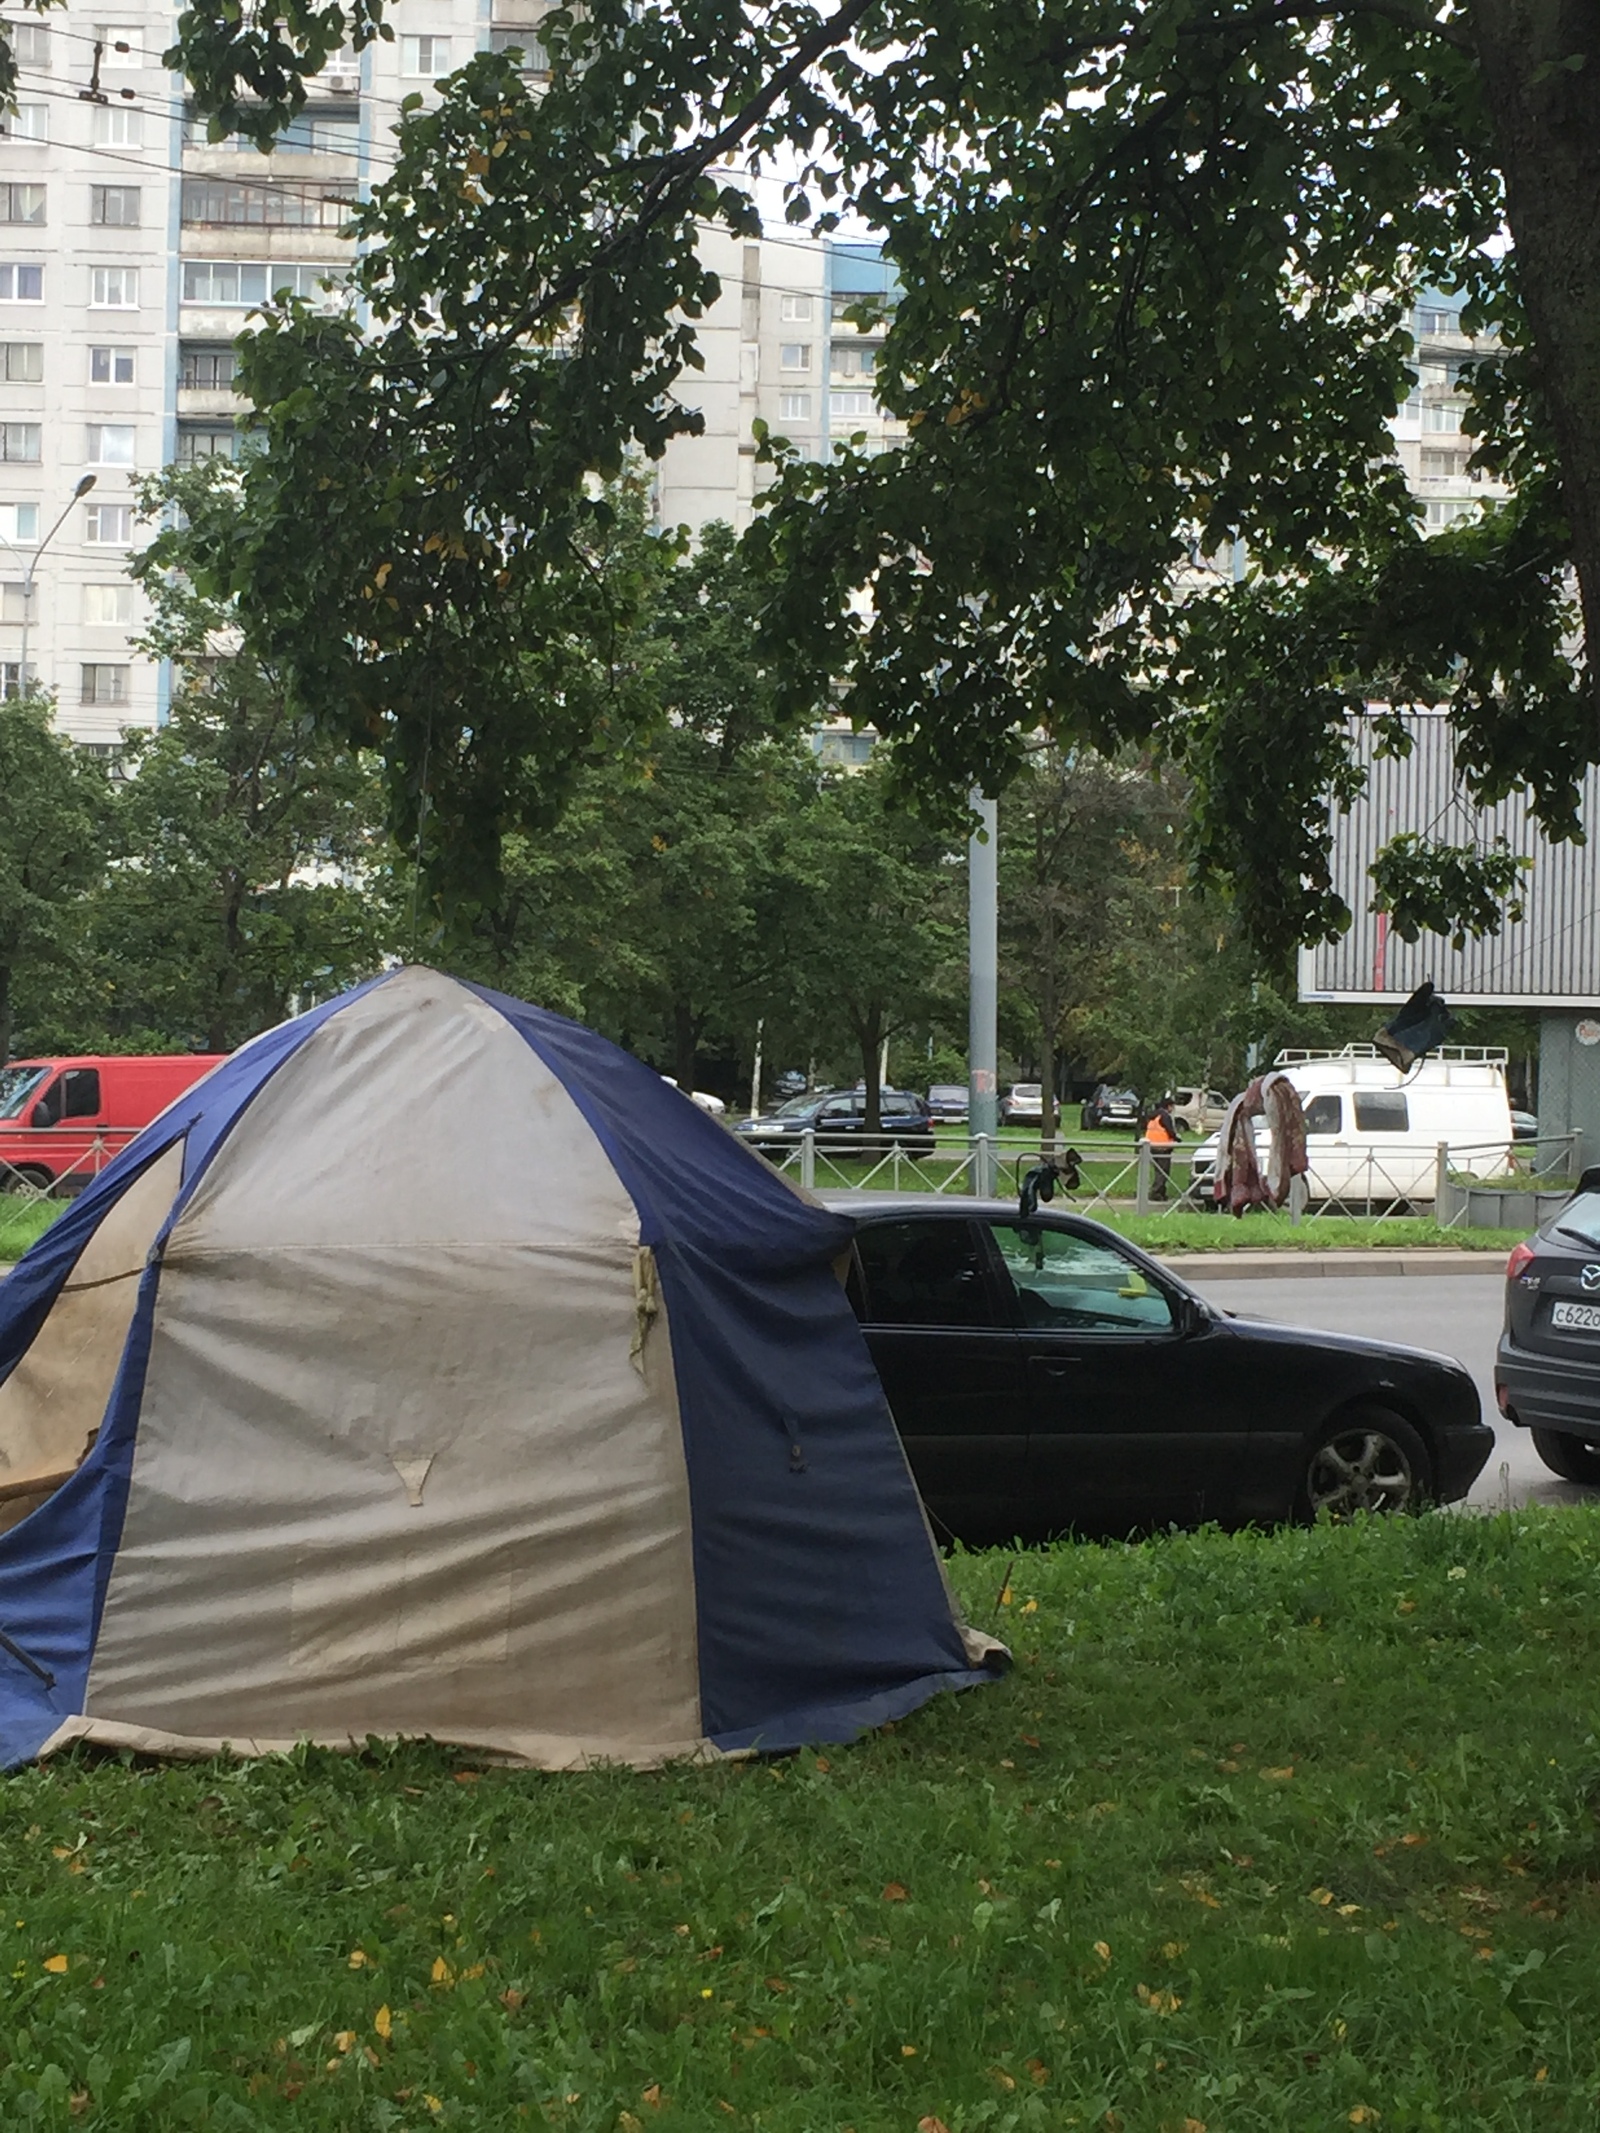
x=1156, y=258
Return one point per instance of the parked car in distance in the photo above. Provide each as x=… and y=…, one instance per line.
x=707, y=1102
x=1110, y=1107
x=948, y=1100
x=1524, y=1126
x=1547, y=1366
x=1200, y=1110
x=1049, y=1378
x=838, y=1119
x=62, y=1120
x=1023, y=1104
x=791, y=1082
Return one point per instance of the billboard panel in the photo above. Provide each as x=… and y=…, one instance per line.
x=1552, y=959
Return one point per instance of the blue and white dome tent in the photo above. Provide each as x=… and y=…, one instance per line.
x=433, y=1369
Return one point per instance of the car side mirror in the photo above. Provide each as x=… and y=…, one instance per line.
x=1193, y=1315
x=40, y=1115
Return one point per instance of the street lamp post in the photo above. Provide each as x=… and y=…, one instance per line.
x=85, y=484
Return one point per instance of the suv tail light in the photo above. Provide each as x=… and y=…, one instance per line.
x=1521, y=1259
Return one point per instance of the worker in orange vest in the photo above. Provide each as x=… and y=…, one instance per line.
x=1161, y=1131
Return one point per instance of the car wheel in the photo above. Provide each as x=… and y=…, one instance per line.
x=1368, y=1460
x=25, y=1177
x=1568, y=1456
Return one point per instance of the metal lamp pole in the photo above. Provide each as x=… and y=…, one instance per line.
x=85, y=484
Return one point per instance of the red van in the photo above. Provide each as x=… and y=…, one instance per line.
x=62, y=1120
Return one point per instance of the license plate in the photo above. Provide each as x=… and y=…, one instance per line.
x=1584, y=1317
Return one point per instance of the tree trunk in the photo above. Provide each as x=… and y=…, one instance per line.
x=685, y=1042
x=870, y=1032
x=1541, y=71
x=5, y=1013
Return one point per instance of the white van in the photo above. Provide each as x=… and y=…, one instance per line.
x=1373, y=1134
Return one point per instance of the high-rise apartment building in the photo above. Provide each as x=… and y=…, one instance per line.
x=133, y=250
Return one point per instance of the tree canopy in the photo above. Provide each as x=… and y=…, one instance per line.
x=1156, y=260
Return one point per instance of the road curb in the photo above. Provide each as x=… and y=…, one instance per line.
x=1300, y=1266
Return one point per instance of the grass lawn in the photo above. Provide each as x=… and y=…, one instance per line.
x=1292, y=1832
x=1185, y=1232
x=23, y=1219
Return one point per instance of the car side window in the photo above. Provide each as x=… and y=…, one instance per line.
x=918, y=1273
x=1079, y=1284
x=82, y=1092
x=1323, y=1114
x=840, y=1107
x=1382, y=1111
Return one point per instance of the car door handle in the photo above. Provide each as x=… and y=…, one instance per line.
x=1062, y=1369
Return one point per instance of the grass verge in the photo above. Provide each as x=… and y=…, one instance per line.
x=22, y=1220
x=1182, y=1232
x=1264, y=1834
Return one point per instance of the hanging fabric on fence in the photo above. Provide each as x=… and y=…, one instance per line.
x=1240, y=1182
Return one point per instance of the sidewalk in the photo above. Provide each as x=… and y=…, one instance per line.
x=1283, y=1265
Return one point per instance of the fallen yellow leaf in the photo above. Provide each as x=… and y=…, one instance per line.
x=344, y=2039
x=1277, y=1777
x=908, y=2051
x=383, y=2023
x=55, y=1964
x=442, y=1972
x=1102, y=1949
x=895, y=1892
x=358, y=1958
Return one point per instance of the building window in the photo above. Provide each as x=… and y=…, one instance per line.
x=218, y=443
x=1432, y=318
x=105, y=685
x=851, y=404
x=795, y=355
x=20, y=441
x=11, y=678
x=533, y=57
x=1443, y=415
x=794, y=407
x=118, y=126
x=21, y=282
x=29, y=122
x=19, y=524
x=206, y=369
x=213, y=201
x=322, y=133
x=30, y=44
x=111, y=444
x=108, y=606
x=13, y=601
x=231, y=283
x=21, y=203
x=121, y=46
x=22, y=362
x=109, y=525
x=111, y=366
x=117, y=206
x=424, y=58
x=113, y=288
x=795, y=310
x=854, y=362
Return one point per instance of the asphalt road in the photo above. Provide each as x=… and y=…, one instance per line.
x=1453, y=1314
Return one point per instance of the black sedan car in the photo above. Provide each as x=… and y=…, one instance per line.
x=1547, y=1367
x=838, y=1119
x=1047, y=1377
x=1110, y=1107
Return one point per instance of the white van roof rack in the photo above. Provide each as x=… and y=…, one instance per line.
x=1468, y=1054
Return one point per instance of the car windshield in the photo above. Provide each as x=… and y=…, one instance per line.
x=1579, y=1220
x=17, y=1084
x=1028, y=1088
x=797, y=1106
